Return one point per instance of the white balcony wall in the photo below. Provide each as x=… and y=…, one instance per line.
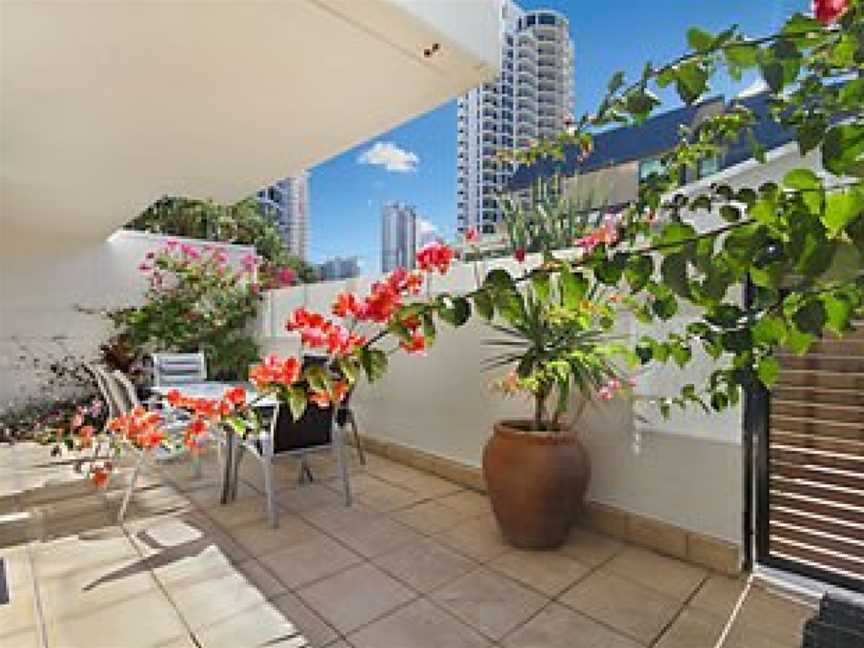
x=685, y=471
x=44, y=280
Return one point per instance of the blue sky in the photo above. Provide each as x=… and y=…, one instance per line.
x=346, y=194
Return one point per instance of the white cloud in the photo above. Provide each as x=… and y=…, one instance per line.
x=390, y=156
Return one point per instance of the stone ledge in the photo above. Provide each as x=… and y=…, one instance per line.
x=664, y=538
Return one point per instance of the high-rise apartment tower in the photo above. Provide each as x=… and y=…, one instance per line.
x=398, y=236
x=531, y=99
x=287, y=201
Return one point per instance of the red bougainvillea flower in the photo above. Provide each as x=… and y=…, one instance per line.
x=174, y=397
x=99, y=476
x=346, y=305
x=519, y=255
x=336, y=395
x=829, y=11
x=471, y=235
x=236, y=396
x=85, y=434
x=274, y=371
x=417, y=343
x=435, y=256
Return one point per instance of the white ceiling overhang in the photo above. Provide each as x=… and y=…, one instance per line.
x=106, y=106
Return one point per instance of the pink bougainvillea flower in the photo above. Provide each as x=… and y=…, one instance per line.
x=829, y=11
x=249, y=262
x=286, y=276
x=471, y=235
x=604, y=394
x=519, y=255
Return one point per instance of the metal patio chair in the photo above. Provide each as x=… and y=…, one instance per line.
x=317, y=430
x=178, y=368
x=123, y=391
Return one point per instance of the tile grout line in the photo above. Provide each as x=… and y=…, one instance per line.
x=155, y=579
x=680, y=611
x=31, y=568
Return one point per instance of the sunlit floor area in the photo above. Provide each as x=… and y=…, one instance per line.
x=416, y=562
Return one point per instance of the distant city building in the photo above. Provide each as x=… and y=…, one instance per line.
x=426, y=233
x=287, y=201
x=339, y=268
x=398, y=236
x=531, y=99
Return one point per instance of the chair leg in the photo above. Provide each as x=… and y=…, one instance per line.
x=342, y=468
x=267, y=463
x=305, y=473
x=239, y=451
x=357, y=443
x=122, y=514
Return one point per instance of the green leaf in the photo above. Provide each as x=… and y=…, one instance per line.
x=541, y=284
x=843, y=148
x=742, y=55
x=799, y=342
x=768, y=370
x=838, y=313
x=297, y=402
x=665, y=307
x=429, y=331
x=811, y=318
x=640, y=103
x=730, y=213
x=510, y=305
x=454, y=310
x=852, y=93
x=841, y=208
x=616, y=82
x=374, y=363
x=609, y=271
x=680, y=353
x=699, y=39
x=573, y=288
x=769, y=330
x=638, y=271
x=674, y=273
x=692, y=81
x=802, y=180
x=483, y=305
x=765, y=212
x=674, y=233
x=798, y=24
x=499, y=279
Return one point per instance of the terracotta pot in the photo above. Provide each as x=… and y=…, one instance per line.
x=536, y=483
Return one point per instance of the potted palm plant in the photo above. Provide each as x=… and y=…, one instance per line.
x=554, y=334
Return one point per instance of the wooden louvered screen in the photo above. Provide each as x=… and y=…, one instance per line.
x=815, y=458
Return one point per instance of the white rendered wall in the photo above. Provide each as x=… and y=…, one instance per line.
x=687, y=475
x=685, y=471
x=43, y=280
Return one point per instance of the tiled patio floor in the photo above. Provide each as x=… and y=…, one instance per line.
x=416, y=563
